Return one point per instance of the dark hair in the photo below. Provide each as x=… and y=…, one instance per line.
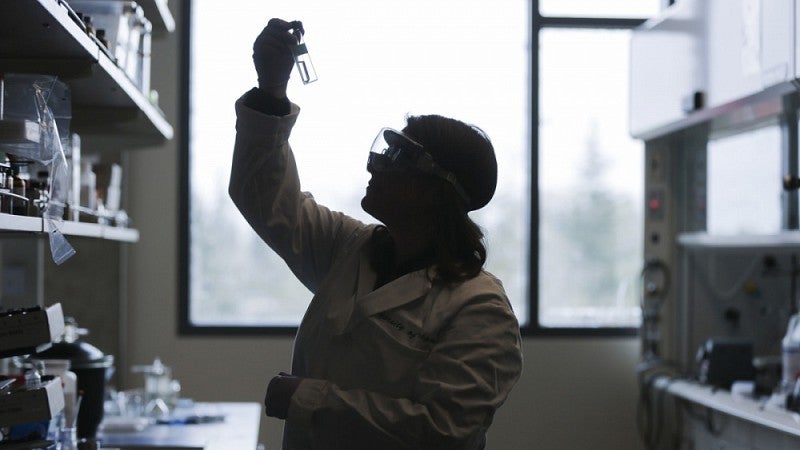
x=459, y=248
x=467, y=152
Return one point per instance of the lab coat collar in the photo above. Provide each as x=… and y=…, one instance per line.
x=367, y=302
x=405, y=289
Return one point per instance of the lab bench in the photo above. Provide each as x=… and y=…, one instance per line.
x=709, y=417
x=238, y=430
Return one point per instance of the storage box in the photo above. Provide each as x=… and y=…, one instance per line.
x=26, y=405
x=25, y=332
x=19, y=131
x=21, y=119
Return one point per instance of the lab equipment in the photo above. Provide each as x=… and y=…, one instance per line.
x=790, y=351
x=93, y=369
x=724, y=360
x=300, y=52
x=69, y=382
x=160, y=390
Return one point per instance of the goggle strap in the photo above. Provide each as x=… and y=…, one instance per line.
x=451, y=178
x=424, y=160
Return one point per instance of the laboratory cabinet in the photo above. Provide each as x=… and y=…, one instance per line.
x=705, y=54
x=751, y=47
x=113, y=112
x=715, y=100
x=668, y=58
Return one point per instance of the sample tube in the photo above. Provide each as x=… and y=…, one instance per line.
x=301, y=58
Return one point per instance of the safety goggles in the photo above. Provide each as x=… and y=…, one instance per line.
x=393, y=151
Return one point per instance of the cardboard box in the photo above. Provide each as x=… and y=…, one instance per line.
x=32, y=405
x=31, y=331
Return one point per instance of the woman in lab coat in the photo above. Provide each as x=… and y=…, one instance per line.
x=407, y=343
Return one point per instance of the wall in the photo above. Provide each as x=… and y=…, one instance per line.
x=574, y=393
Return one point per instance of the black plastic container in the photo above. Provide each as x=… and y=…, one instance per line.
x=93, y=369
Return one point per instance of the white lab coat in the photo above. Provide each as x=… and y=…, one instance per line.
x=410, y=365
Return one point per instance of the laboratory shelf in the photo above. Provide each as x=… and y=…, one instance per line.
x=13, y=223
x=10, y=222
x=740, y=406
x=108, y=103
x=786, y=239
x=751, y=111
x=45, y=36
x=34, y=30
x=93, y=230
x=120, y=234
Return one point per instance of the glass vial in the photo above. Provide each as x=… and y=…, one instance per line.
x=19, y=189
x=69, y=438
x=301, y=58
x=5, y=185
x=88, y=197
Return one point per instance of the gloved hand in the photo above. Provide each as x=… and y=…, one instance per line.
x=272, y=56
x=279, y=394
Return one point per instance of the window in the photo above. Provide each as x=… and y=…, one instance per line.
x=377, y=62
x=589, y=171
x=573, y=183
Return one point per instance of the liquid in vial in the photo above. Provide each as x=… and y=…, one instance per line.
x=301, y=58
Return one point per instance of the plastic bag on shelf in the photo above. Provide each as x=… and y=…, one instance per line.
x=38, y=100
x=60, y=248
x=28, y=101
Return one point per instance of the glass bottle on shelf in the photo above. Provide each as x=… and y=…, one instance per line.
x=19, y=188
x=88, y=198
x=5, y=188
x=38, y=193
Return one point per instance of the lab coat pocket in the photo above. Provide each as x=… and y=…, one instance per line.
x=399, y=350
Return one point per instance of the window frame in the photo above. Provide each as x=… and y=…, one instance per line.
x=185, y=325
x=537, y=23
x=534, y=328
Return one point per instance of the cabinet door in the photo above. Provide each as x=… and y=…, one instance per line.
x=667, y=67
x=778, y=39
x=750, y=47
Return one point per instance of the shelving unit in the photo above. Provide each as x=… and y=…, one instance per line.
x=109, y=112
x=43, y=36
x=12, y=223
x=46, y=36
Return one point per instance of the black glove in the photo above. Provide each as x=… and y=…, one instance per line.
x=272, y=54
x=279, y=394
